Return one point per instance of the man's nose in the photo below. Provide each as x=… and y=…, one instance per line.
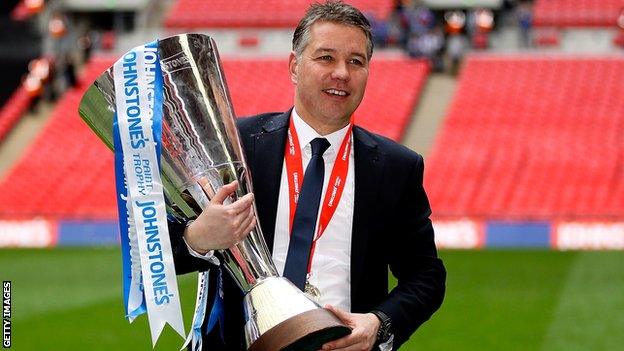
x=341, y=71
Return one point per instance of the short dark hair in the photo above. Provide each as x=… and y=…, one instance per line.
x=331, y=11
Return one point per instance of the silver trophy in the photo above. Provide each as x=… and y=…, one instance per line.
x=201, y=149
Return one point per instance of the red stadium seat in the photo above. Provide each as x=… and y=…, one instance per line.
x=618, y=39
x=577, y=13
x=531, y=138
x=547, y=37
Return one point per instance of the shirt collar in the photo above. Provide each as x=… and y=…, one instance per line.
x=305, y=134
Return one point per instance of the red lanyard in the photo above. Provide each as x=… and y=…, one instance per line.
x=337, y=179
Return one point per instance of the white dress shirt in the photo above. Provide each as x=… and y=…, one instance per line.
x=330, y=271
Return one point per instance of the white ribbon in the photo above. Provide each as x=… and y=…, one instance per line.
x=136, y=74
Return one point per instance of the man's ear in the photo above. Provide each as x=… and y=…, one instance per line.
x=292, y=67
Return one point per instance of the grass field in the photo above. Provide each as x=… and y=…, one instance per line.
x=68, y=299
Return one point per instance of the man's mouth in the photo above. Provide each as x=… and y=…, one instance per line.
x=336, y=92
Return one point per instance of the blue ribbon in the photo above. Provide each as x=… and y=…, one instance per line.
x=216, y=312
x=122, y=210
x=158, y=105
x=200, y=310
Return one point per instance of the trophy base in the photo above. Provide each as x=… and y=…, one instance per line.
x=307, y=331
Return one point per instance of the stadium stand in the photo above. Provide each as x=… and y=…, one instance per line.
x=67, y=173
x=577, y=13
x=263, y=14
x=63, y=172
x=532, y=138
x=12, y=110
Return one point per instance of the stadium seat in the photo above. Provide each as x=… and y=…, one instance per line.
x=577, y=13
x=618, y=39
x=531, y=138
x=547, y=37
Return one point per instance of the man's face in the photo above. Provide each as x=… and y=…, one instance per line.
x=330, y=76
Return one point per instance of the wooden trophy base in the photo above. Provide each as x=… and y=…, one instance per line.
x=307, y=331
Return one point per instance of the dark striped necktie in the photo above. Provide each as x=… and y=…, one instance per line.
x=306, y=213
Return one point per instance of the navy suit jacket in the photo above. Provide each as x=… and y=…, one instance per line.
x=391, y=228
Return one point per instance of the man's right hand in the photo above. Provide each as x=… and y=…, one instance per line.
x=221, y=226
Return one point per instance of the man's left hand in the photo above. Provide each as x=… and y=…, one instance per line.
x=363, y=335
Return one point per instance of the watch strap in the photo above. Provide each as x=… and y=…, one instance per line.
x=384, y=331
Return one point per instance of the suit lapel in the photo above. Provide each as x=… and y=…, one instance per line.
x=268, y=153
x=368, y=172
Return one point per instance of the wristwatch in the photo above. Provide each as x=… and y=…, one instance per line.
x=384, y=333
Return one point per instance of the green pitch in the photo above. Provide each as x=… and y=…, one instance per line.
x=68, y=299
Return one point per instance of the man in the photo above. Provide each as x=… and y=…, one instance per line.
x=382, y=216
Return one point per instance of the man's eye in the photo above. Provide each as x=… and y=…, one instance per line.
x=357, y=62
x=325, y=58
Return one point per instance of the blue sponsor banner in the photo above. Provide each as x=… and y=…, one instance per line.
x=502, y=234
x=498, y=234
x=88, y=233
